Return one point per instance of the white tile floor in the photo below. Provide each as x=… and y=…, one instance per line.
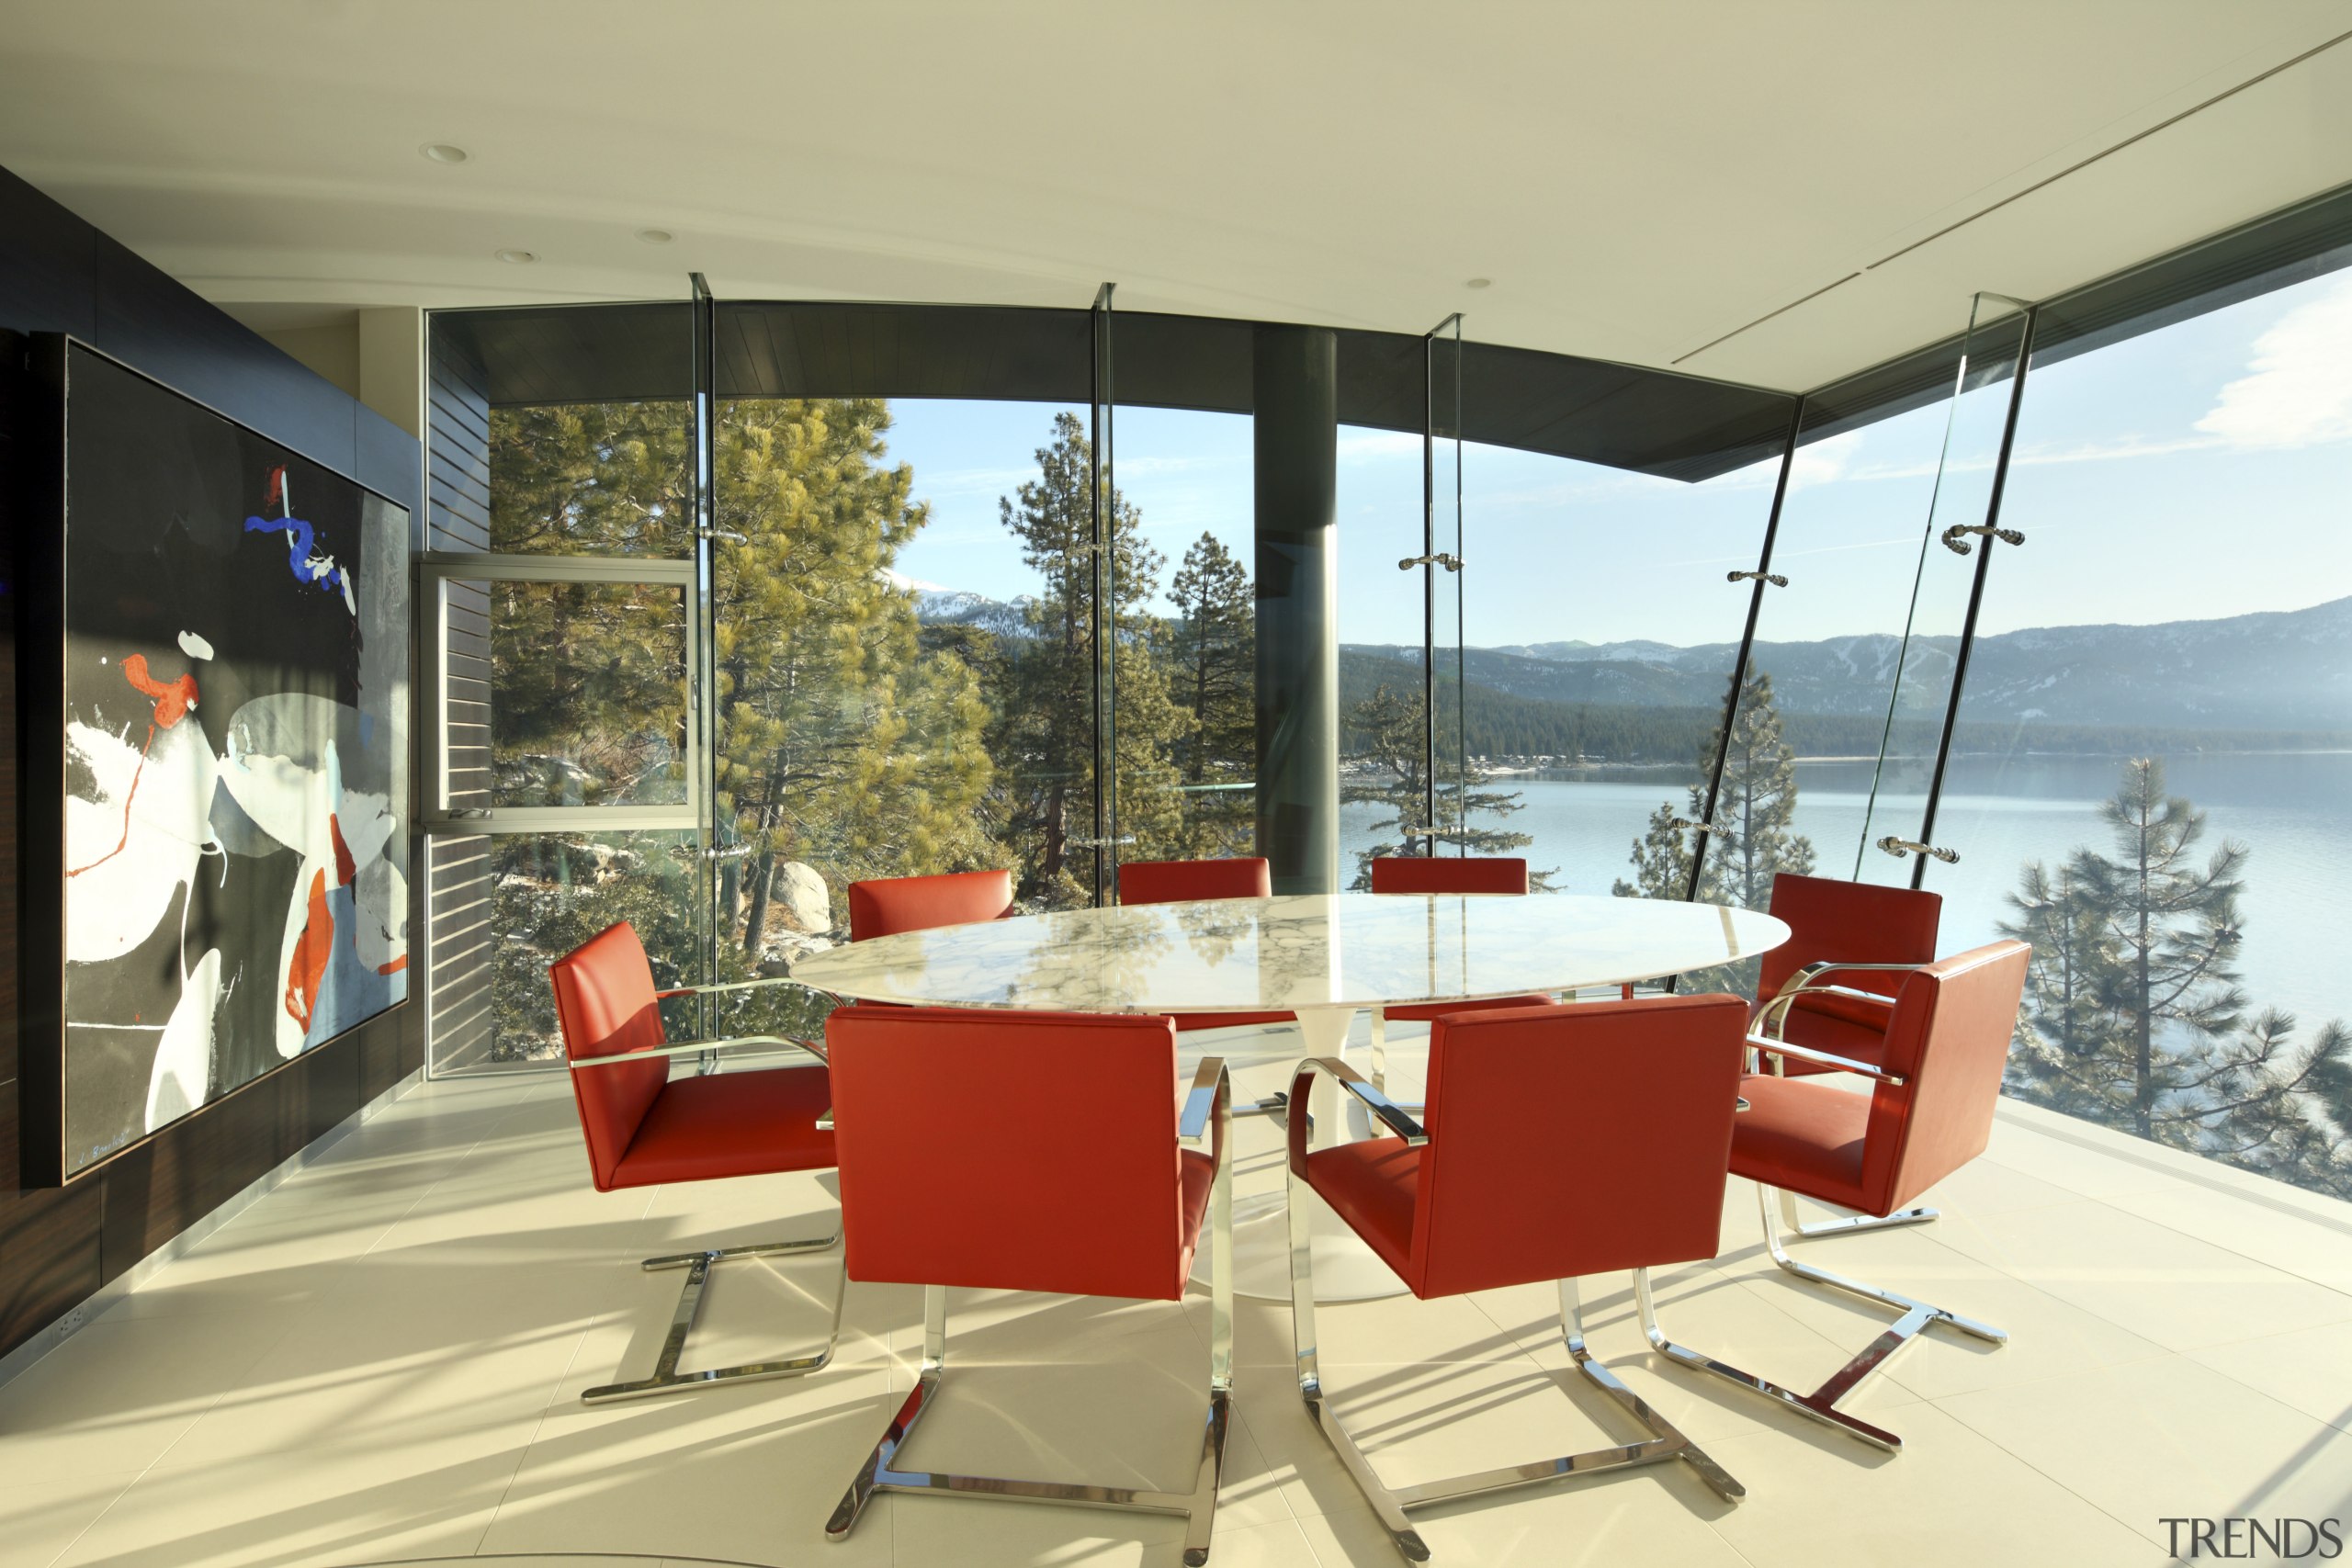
x=381, y=1362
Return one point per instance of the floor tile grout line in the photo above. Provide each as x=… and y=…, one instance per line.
x=2093, y=1312
x=2292, y=1273
x=523, y=1455
x=149, y=1468
x=2095, y=1507
x=2005, y=1270
x=102, y=1513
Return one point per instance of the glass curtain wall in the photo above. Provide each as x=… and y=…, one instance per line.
x=2153, y=752
x=1381, y=511
x=1602, y=612
x=1186, y=679
x=1821, y=676
x=1954, y=552
x=1452, y=814
x=904, y=629
x=560, y=585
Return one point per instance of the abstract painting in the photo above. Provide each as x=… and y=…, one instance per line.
x=235, y=833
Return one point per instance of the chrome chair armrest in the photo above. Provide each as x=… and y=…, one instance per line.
x=1823, y=1059
x=1391, y=1116
x=696, y=1048
x=1212, y=1086
x=1774, y=1014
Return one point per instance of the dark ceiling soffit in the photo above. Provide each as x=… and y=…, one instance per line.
x=1653, y=422
x=2289, y=246
x=575, y=354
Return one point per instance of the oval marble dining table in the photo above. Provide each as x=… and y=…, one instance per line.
x=1325, y=957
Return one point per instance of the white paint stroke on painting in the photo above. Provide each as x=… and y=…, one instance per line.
x=194, y=646
x=182, y=1076
x=136, y=839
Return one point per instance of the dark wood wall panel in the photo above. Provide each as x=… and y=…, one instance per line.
x=58, y=1245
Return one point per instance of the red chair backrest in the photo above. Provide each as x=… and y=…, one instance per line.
x=889, y=905
x=1576, y=1140
x=604, y=1004
x=1858, y=922
x=1019, y=1151
x=1449, y=873
x=1173, y=881
x=1949, y=1039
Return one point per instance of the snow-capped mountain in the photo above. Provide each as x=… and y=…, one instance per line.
x=938, y=606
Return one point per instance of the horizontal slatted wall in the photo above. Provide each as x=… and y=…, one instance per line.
x=459, y=935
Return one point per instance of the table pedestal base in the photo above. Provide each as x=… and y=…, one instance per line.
x=1345, y=1268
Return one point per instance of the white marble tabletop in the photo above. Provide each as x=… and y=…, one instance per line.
x=1346, y=950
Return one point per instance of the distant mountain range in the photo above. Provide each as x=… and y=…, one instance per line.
x=2289, y=670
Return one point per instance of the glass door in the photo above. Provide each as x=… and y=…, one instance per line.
x=560, y=638
x=1979, y=419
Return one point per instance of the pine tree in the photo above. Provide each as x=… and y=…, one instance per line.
x=839, y=744
x=1391, y=770
x=841, y=741
x=2134, y=1015
x=1750, y=842
x=1213, y=669
x=1042, y=734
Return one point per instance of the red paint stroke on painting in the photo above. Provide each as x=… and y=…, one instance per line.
x=346, y=868
x=277, y=485
x=173, y=700
x=310, y=961
x=394, y=967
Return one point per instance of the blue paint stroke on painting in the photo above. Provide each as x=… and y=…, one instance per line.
x=307, y=567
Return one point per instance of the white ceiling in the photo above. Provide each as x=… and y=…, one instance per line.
x=1639, y=180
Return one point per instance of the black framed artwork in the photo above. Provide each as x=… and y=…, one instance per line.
x=214, y=675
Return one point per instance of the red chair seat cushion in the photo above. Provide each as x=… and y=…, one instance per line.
x=1425, y=1012
x=731, y=1124
x=1806, y=1137
x=1374, y=1184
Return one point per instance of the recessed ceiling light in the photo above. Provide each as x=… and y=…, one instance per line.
x=444, y=152
x=656, y=236
x=1480, y=283
x=518, y=257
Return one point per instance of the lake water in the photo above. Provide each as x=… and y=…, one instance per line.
x=2294, y=812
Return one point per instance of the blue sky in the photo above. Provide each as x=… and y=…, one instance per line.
x=2225, y=440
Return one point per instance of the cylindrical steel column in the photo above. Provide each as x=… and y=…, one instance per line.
x=1298, y=434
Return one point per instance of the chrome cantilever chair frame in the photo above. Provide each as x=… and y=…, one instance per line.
x=1208, y=1115
x=1916, y=1317
x=1664, y=1443
x=666, y=1377
x=1774, y=1014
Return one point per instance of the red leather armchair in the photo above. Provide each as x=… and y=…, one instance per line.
x=886, y=905
x=645, y=1128
x=1872, y=936
x=1831, y=988
x=1489, y=1192
x=1929, y=1112
x=1449, y=873
x=1030, y=1152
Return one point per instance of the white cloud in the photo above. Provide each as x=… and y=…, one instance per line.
x=1818, y=463
x=1379, y=444
x=2298, y=391
x=1824, y=460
